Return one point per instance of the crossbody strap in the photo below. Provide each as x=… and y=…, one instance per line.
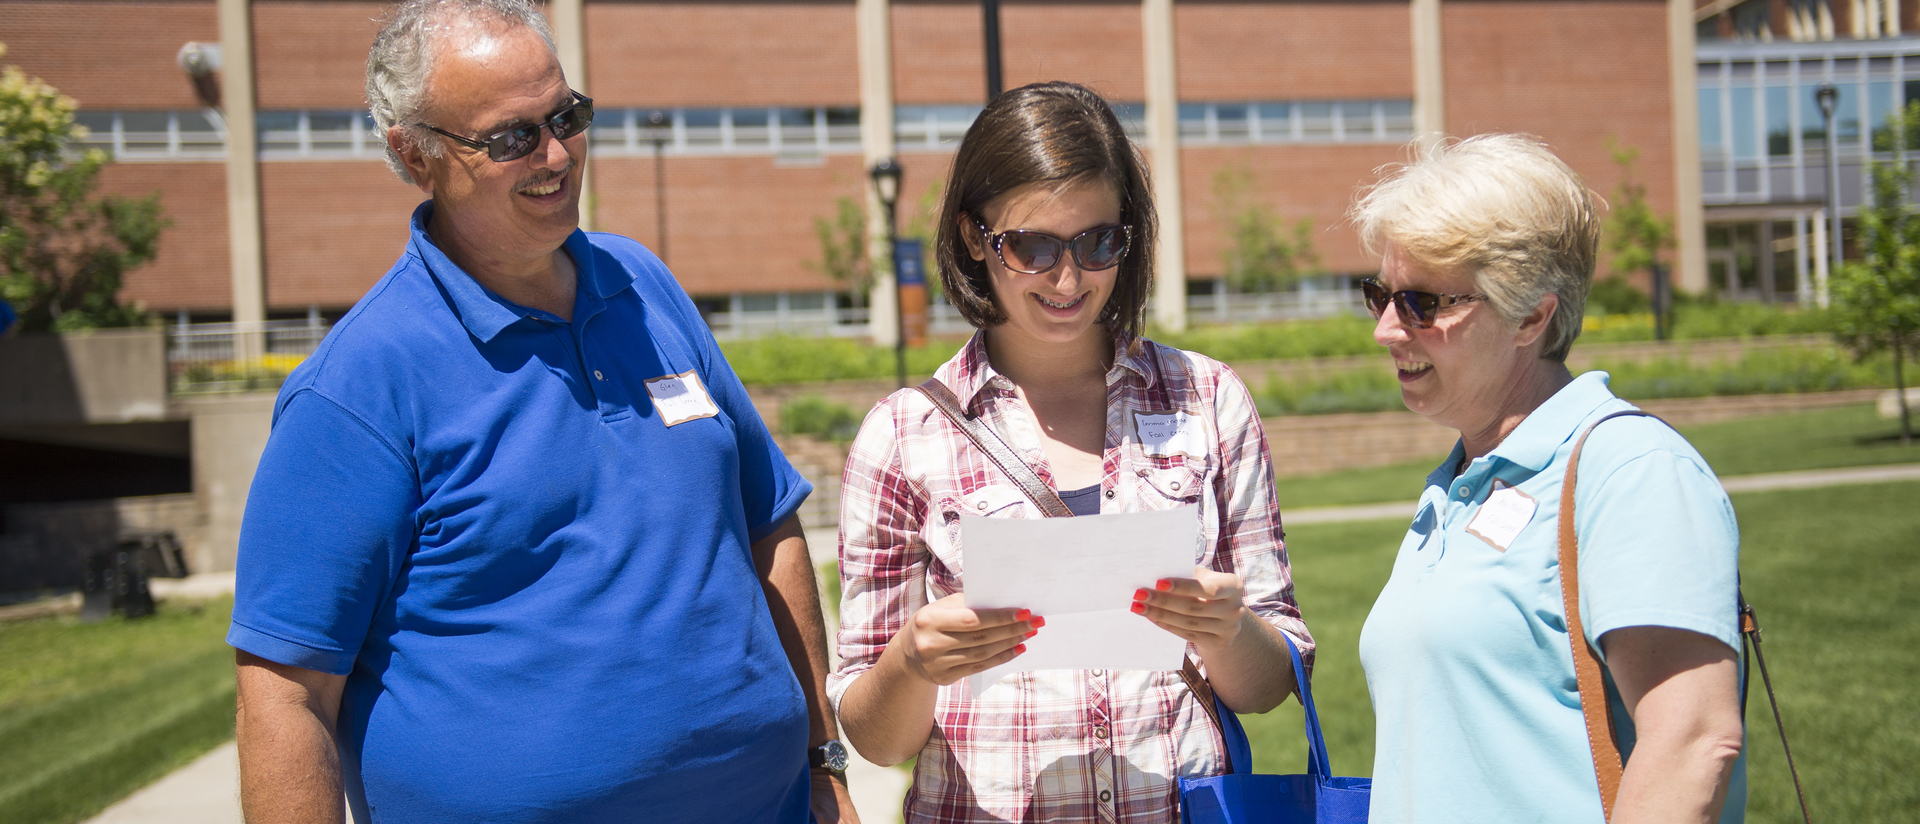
x=996, y=450
x=1607, y=767
x=1043, y=496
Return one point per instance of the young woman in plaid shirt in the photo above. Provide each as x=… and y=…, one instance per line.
x=1046, y=244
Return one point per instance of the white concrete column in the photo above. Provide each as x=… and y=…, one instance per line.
x=1163, y=137
x=873, y=28
x=1689, y=214
x=1429, y=82
x=1820, y=264
x=245, y=250
x=570, y=40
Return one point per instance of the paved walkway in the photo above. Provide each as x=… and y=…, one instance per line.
x=207, y=791
x=1738, y=483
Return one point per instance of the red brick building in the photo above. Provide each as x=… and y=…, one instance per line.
x=764, y=103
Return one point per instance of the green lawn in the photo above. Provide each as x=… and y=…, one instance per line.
x=1848, y=436
x=91, y=712
x=1835, y=576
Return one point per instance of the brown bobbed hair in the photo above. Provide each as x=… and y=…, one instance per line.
x=1049, y=134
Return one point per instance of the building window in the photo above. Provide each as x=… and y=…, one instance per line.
x=1762, y=134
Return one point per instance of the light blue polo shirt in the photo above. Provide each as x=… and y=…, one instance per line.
x=541, y=593
x=1477, y=712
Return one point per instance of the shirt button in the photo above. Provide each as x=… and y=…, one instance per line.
x=1175, y=486
x=597, y=376
x=1100, y=733
x=1106, y=796
x=1465, y=492
x=1109, y=494
x=982, y=506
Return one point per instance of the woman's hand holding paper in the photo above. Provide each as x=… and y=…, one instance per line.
x=945, y=641
x=1206, y=609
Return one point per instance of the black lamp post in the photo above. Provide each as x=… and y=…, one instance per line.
x=659, y=131
x=886, y=182
x=990, y=28
x=1827, y=96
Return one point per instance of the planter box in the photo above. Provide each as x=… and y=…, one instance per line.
x=102, y=376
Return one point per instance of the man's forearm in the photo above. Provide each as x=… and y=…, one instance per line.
x=289, y=763
x=793, y=598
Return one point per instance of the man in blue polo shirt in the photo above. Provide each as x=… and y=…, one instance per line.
x=519, y=548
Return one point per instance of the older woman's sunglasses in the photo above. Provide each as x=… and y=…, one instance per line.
x=1417, y=309
x=1034, y=253
x=520, y=141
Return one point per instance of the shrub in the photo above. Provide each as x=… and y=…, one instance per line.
x=819, y=417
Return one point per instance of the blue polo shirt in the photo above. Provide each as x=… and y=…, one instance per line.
x=1477, y=711
x=541, y=594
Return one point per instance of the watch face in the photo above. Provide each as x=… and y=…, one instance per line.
x=836, y=756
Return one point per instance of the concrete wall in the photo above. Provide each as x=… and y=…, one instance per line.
x=229, y=433
x=104, y=376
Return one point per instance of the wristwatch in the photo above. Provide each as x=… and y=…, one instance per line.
x=831, y=756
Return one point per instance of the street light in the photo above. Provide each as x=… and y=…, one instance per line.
x=1827, y=95
x=886, y=183
x=659, y=131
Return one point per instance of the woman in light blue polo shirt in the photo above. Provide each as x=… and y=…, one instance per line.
x=1488, y=249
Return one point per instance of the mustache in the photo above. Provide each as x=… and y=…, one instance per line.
x=544, y=178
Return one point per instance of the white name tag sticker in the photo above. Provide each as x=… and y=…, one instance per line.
x=681, y=398
x=1165, y=434
x=1500, y=520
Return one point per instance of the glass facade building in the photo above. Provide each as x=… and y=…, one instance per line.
x=1763, y=152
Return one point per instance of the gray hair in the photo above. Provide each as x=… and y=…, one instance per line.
x=1504, y=209
x=403, y=54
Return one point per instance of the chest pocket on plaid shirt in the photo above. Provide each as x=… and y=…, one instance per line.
x=992, y=501
x=1165, y=487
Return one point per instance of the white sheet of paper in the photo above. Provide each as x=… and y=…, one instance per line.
x=1500, y=519
x=1080, y=574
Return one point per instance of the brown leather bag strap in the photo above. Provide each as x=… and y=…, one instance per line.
x=996, y=450
x=1203, y=691
x=1051, y=506
x=1607, y=766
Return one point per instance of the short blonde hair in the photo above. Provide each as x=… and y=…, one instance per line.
x=1501, y=207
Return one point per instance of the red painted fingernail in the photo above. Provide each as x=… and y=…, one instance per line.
x=1020, y=648
x=1030, y=634
x=1142, y=594
x=1139, y=608
x=1023, y=615
x=1163, y=585
x=1037, y=622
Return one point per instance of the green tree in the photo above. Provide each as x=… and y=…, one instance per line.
x=63, y=252
x=843, y=249
x=1635, y=235
x=1262, y=254
x=1876, y=301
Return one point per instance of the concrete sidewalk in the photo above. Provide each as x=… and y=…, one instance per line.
x=1764, y=482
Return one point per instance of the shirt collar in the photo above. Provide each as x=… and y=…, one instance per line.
x=486, y=314
x=1533, y=443
x=973, y=374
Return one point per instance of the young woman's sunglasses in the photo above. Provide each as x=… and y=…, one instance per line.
x=520, y=141
x=1417, y=309
x=1035, y=253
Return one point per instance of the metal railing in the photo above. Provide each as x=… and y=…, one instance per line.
x=238, y=357
x=1245, y=308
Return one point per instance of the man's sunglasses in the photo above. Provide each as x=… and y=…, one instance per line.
x=1034, y=253
x=520, y=141
x=1417, y=309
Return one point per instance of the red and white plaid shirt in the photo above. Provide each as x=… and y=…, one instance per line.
x=1057, y=745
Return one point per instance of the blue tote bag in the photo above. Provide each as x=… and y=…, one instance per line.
x=1240, y=797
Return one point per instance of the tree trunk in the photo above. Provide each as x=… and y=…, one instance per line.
x=1900, y=391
